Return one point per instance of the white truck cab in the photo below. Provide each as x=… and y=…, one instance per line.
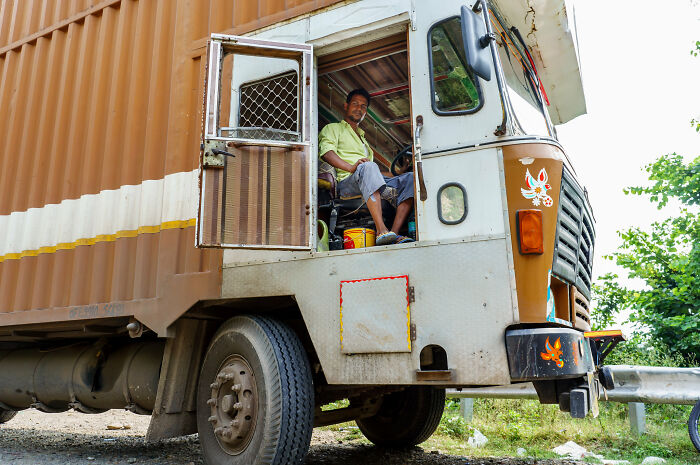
x=496, y=287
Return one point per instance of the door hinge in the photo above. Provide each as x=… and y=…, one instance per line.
x=411, y=294
x=214, y=153
x=413, y=331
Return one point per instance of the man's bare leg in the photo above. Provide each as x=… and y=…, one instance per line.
x=402, y=211
x=374, y=205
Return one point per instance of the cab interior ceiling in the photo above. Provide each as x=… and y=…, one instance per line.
x=380, y=67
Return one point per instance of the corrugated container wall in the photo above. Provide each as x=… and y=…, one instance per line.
x=100, y=124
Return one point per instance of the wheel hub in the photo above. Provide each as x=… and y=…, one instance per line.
x=233, y=404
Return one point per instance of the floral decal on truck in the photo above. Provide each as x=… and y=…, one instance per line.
x=553, y=353
x=537, y=189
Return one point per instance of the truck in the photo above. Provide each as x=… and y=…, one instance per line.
x=171, y=243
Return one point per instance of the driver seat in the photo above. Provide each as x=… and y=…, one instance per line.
x=344, y=212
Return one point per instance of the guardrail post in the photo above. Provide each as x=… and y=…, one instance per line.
x=637, y=418
x=466, y=408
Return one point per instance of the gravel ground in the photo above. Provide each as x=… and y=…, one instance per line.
x=118, y=437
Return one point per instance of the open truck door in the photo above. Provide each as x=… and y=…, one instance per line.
x=256, y=163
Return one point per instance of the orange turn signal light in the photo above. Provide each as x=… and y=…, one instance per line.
x=530, y=235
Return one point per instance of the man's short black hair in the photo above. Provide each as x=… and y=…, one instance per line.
x=359, y=91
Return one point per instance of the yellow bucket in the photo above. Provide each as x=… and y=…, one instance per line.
x=357, y=238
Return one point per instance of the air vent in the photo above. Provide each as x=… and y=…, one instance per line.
x=575, y=239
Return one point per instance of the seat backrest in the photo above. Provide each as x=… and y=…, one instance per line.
x=327, y=178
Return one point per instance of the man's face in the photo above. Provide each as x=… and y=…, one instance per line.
x=356, y=109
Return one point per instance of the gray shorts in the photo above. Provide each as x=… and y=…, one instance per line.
x=367, y=179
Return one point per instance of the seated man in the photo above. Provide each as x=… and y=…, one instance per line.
x=343, y=146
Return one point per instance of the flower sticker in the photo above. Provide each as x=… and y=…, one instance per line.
x=553, y=353
x=537, y=188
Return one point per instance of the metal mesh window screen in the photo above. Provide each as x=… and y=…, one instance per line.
x=269, y=109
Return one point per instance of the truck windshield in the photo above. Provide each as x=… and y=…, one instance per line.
x=527, y=99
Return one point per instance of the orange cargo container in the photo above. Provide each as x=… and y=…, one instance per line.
x=100, y=101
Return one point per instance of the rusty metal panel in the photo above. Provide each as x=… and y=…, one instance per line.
x=375, y=315
x=99, y=148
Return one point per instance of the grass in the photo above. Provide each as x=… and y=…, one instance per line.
x=511, y=424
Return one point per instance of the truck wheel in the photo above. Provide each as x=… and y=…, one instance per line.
x=405, y=418
x=6, y=415
x=694, y=426
x=255, y=398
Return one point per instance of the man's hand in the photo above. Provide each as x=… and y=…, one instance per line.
x=335, y=161
x=358, y=163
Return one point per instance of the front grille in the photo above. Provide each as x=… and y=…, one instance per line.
x=573, y=247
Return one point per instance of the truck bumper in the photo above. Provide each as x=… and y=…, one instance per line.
x=538, y=354
x=560, y=364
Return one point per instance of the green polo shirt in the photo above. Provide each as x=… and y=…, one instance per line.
x=340, y=138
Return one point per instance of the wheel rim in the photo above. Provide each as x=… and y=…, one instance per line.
x=233, y=405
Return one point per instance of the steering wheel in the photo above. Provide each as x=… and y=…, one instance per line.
x=402, y=159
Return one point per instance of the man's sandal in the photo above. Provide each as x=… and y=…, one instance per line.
x=387, y=238
x=403, y=240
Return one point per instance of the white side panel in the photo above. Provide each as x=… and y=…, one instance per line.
x=296, y=32
x=446, y=132
x=355, y=16
x=461, y=303
x=478, y=172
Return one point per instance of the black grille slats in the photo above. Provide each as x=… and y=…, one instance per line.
x=575, y=237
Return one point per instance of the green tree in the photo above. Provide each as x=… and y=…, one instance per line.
x=666, y=258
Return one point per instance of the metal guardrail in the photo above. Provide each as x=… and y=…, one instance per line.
x=633, y=383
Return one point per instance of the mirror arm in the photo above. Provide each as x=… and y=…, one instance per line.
x=501, y=129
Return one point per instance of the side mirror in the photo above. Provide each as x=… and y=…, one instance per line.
x=476, y=44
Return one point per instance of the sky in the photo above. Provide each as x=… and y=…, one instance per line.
x=642, y=89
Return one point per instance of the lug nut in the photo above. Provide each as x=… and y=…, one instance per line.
x=214, y=385
x=219, y=431
x=237, y=406
x=211, y=402
x=212, y=419
x=235, y=423
x=236, y=387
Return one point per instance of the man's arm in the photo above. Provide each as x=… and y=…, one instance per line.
x=335, y=161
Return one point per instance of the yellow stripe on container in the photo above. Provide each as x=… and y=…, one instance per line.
x=180, y=224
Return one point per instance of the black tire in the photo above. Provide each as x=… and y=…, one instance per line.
x=279, y=384
x=405, y=418
x=6, y=415
x=694, y=426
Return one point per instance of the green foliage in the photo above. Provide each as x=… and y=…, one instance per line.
x=672, y=179
x=666, y=258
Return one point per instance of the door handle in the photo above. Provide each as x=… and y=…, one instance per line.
x=419, y=161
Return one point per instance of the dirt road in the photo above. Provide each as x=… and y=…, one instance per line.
x=117, y=437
